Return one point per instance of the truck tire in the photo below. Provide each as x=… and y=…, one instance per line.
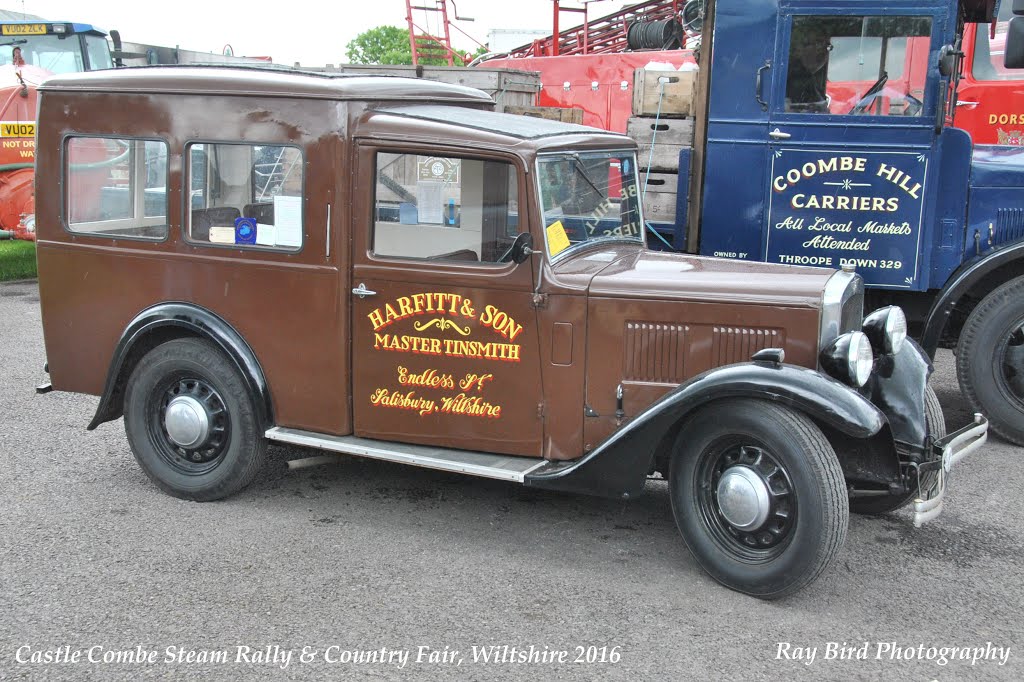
x=990, y=360
x=759, y=497
x=191, y=422
x=870, y=506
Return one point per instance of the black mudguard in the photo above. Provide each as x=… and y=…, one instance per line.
x=897, y=387
x=618, y=467
x=959, y=284
x=172, y=320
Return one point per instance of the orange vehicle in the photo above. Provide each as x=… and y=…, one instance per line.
x=990, y=105
x=31, y=52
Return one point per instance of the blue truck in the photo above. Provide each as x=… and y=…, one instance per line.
x=823, y=137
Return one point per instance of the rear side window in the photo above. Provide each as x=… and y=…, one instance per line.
x=116, y=187
x=244, y=195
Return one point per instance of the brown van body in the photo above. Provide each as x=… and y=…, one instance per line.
x=92, y=287
x=578, y=367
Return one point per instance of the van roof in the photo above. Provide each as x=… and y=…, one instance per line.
x=263, y=82
x=511, y=125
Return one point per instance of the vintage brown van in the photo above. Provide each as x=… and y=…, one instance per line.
x=387, y=268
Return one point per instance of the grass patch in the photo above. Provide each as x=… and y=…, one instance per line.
x=17, y=259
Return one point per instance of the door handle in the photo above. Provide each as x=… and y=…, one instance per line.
x=362, y=292
x=779, y=135
x=757, y=84
x=963, y=103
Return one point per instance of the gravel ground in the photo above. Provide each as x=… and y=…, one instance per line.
x=364, y=556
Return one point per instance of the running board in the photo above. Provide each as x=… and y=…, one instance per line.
x=482, y=464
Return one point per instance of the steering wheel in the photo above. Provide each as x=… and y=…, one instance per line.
x=863, y=103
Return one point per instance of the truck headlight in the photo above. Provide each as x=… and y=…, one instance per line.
x=849, y=358
x=886, y=328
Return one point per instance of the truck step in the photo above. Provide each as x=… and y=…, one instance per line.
x=482, y=464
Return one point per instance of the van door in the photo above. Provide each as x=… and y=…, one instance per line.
x=852, y=148
x=444, y=332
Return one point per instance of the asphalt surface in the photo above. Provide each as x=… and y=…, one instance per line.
x=364, y=556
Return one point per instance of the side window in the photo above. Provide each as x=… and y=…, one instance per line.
x=444, y=208
x=858, y=65
x=245, y=195
x=988, y=51
x=116, y=187
x=99, y=53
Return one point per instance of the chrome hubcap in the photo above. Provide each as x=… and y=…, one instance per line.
x=743, y=498
x=187, y=422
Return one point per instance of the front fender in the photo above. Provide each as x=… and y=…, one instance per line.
x=171, y=320
x=966, y=277
x=619, y=466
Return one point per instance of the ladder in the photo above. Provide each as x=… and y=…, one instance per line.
x=433, y=46
x=602, y=35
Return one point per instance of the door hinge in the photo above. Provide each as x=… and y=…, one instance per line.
x=539, y=301
x=540, y=411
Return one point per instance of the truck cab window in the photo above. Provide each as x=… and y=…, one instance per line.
x=858, y=65
x=444, y=208
x=245, y=195
x=116, y=187
x=988, y=51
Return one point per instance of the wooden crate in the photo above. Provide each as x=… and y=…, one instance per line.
x=676, y=97
x=550, y=113
x=660, y=196
x=668, y=136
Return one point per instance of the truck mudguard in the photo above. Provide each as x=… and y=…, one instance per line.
x=618, y=468
x=961, y=282
x=171, y=320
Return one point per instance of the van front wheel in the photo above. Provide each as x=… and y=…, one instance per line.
x=759, y=497
x=191, y=421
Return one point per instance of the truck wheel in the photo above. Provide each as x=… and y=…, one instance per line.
x=758, y=496
x=990, y=360
x=191, y=421
x=887, y=503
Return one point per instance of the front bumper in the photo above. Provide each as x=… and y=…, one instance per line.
x=945, y=453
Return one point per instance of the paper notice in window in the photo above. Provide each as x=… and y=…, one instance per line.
x=558, y=241
x=428, y=201
x=287, y=221
x=222, y=234
x=266, y=235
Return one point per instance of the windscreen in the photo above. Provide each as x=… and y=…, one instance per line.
x=588, y=197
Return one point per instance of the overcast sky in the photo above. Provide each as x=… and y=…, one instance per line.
x=307, y=31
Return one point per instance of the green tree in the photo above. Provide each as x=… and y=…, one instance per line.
x=388, y=45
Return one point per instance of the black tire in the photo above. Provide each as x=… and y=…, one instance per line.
x=234, y=449
x=809, y=512
x=990, y=360
x=871, y=506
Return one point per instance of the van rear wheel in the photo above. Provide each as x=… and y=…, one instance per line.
x=759, y=497
x=191, y=422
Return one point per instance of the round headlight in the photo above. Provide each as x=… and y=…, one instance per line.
x=849, y=358
x=887, y=329
x=860, y=358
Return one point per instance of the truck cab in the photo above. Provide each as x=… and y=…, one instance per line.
x=385, y=267
x=30, y=52
x=873, y=177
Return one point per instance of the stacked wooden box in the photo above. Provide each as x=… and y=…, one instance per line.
x=662, y=125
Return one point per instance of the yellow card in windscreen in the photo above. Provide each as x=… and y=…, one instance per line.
x=558, y=241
